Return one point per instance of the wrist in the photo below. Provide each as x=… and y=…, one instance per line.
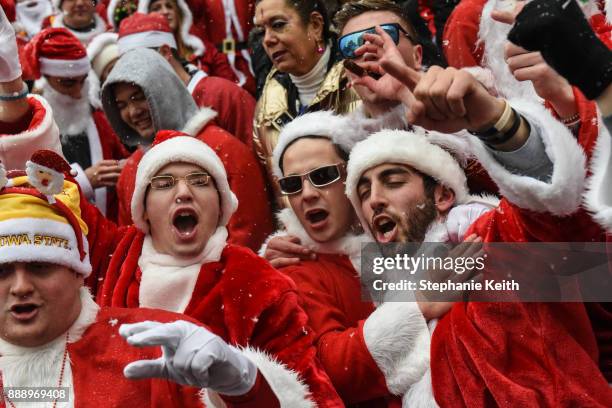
x=497, y=111
x=563, y=102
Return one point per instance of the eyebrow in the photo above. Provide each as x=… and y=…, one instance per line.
x=392, y=172
x=363, y=181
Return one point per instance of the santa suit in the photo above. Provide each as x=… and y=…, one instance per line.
x=239, y=297
x=538, y=354
x=231, y=19
x=252, y=222
x=100, y=381
x=235, y=107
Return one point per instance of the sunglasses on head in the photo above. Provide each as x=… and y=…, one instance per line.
x=349, y=43
x=319, y=177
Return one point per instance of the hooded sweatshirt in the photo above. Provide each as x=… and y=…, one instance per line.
x=172, y=108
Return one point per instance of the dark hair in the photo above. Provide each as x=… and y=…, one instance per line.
x=355, y=8
x=304, y=8
x=344, y=155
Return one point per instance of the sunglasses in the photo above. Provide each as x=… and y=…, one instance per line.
x=168, y=181
x=319, y=177
x=350, y=42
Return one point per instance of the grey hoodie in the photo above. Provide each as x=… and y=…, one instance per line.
x=171, y=105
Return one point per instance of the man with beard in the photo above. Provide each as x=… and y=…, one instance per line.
x=311, y=170
x=142, y=95
x=401, y=183
x=88, y=142
x=79, y=17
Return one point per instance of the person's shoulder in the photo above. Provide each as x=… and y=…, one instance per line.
x=243, y=262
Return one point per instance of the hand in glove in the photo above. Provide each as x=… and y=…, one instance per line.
x=191, y=355
x=10, y=69
x=461, y=217
x=560, y=31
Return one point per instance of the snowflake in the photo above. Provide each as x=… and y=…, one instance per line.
x=113, y=322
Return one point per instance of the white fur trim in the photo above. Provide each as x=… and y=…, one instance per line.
x=16, y=150
x=562, y=194
x=286, y=384
x=321, y=123
x=64, y=68
x=598, y=197
x=484, y=76
x=93, y=94
x=184, y=149
x=199, y=121
x=608, y=10
x=187, y=21
x=110, y=13
x=420, y=394
x=145, y=39
x=349, y=245
x=100, y=42
x=412, y=148
x=359, y=126
x=83, y=181
x=28, y=249
x=397, y=337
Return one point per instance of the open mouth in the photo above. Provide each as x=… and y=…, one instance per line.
x=385, y=229
x=316, y=217
x=185, y=223
x=24, y=311
x=278, y=55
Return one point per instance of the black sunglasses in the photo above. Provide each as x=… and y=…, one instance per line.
x=319, y=177
x=349, y=43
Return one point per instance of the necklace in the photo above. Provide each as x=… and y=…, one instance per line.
x=59, y=383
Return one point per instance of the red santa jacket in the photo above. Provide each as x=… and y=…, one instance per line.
x=252, y=222
x=235, y=107
x=213, y=62
x=526, y=354
x=100, y=381
x=245, y=301
x=234, y=17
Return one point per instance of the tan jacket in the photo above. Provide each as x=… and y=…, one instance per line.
x=272, y=112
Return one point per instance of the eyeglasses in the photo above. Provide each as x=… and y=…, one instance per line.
x=319, y=177
x=167, y=181
x=349, y=43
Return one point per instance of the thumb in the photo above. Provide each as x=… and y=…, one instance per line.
x=146, y=369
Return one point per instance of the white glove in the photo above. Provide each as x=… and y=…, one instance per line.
x=191, y=355
x=461, y=217
x=10, y=69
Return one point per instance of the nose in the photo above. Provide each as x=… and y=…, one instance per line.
x=164, y=10
x=309, y=192
x=377, y=198
x=134, y=110
x=269, y=39
x=21, y=286
x=183, y=191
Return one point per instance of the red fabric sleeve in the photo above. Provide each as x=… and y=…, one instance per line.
x=252, y=222
x=339, y=338
x=125, y=187
x=461, y=35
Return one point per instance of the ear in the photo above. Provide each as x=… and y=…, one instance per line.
x=166, y=52
x=418, y=57
x=316, y=25
x=444, y=198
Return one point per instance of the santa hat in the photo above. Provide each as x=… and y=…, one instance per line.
x=321, y=124
x=56, y=52
x=35, y=229
x=145, y=31
x=412, y=148
x=186, y=22
x=9, y=9
x=171, y=146
x=102, y=50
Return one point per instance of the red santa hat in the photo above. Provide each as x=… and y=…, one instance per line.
x=56, y=52
x=36, y=229
x=190, y=40
x=145, y=31
x=9, y=9
x=425, y=153
x=320, y=124
x=171, y=146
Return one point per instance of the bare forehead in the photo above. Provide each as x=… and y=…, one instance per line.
x=371, y=19
x=309, y=153
x=179, y=169
x=267, y=10
x=385, y=169
x=124, y=90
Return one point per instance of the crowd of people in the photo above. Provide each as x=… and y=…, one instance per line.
x=192, y=186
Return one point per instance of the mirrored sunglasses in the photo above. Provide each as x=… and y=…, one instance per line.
x=350, y=42
x=319, y=177
x=167, y=181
